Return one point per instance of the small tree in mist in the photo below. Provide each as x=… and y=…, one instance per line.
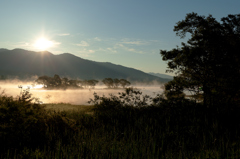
x=64, y=81
x=124, y=83
x=116, y=82
x=57, y=81
x=44, y=80
x=108, y=82
x=92, y=83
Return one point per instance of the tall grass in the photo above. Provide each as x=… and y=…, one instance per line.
x=118, y=129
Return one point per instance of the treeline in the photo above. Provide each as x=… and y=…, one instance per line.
x=115, y=83
x=63, y=83
x=57, y=82
x=2, y=77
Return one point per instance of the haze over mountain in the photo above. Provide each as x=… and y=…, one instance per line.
x=23, y=63
x=161, y=75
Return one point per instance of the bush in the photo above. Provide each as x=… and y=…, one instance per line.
x=22, y=121
x=25, y=124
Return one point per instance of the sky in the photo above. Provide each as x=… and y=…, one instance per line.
x=124, y=32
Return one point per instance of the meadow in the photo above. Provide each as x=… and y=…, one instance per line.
x=124, y=125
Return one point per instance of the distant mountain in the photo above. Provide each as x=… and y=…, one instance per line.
x=161, y=75
x=23, y=63
x=3, y=49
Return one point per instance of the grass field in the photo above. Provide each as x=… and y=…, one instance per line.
x=88, y=109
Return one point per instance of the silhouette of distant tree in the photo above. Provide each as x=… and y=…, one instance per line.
x=92, y=83
x=73, y=83
x=44, y=80
x=57, y=82
x=89, y=83
x=209, y=63
x=116, y=82
x=108, y=82
x=2, y=77
x=64, y=81
x=124, y=83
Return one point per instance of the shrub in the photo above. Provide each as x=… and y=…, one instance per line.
x=22, y=121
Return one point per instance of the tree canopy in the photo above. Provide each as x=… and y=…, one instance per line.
x=208, y=64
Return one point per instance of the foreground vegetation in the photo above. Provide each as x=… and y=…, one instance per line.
x=130, y=125
x=58, y=107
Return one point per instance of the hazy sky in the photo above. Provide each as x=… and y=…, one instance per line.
x=125, y=32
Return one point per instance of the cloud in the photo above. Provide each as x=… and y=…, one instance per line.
x=86, y=51
x=55, y=43
x=134, y=50
x=111, y=50
x=97, y=39
x=108, y=50
x=22, y=44
x=83, y=43
x=63, y=34
x=91, y=51
x=133, y=42
x=128, y=49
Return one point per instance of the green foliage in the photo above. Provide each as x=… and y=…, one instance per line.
x=209, y=60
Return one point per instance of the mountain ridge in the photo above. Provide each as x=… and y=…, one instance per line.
x=22, y=62
x=161, y=75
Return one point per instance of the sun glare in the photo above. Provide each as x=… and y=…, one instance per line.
x=43, y=44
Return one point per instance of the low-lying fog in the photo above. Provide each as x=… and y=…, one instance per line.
x=79, y=96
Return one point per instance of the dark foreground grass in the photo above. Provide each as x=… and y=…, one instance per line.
x=118, y=130
x=88, y=109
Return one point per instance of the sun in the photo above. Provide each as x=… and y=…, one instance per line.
x=43, y=43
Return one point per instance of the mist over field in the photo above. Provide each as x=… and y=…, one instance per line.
x=71, y=96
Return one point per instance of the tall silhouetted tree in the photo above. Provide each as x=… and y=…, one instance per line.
x=209, y=63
